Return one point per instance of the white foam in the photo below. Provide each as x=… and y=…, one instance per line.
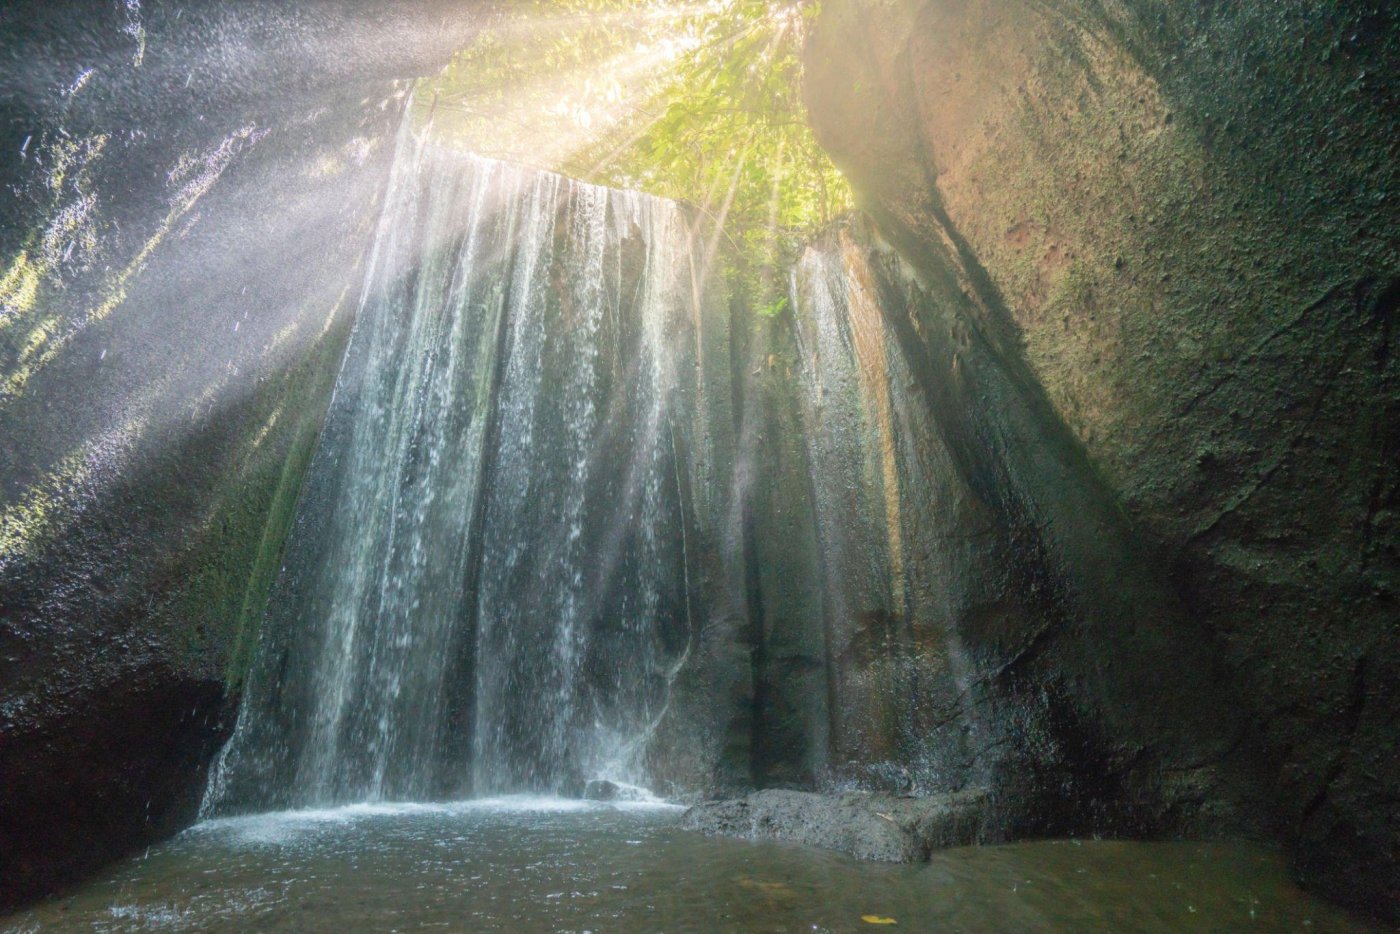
x=279, y=826
x=513, y=804
x=633, y=797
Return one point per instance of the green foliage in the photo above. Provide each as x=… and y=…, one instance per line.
x=700, y=103
x=774, y=308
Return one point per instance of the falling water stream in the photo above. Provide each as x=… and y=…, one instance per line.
x=486, y=590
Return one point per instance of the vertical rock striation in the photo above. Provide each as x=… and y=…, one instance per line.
x=1173, y=228
x=988, y=623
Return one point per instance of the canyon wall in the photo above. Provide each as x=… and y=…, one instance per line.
x=979, y=615
x=1173, y=227
x=189, y=189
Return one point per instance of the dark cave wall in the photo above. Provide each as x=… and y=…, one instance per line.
x=1176, y=224
x=189, y=191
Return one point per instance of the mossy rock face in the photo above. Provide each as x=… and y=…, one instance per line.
x=179, y=270
x=1178, y=224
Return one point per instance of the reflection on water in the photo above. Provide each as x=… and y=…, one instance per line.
x=526, y=864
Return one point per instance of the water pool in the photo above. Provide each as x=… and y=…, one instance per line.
x=523, y=864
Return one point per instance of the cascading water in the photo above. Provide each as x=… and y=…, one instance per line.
x=488, y=586
x=516, y=558
x=890, y=528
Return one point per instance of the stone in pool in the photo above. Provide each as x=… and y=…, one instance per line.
x=876, y=827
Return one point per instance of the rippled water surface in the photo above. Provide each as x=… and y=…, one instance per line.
x=542, y=865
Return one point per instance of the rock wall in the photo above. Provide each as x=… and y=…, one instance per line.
x=1174, y=227
x=189, y=190
x=979, y=619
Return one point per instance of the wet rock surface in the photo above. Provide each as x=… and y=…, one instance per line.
x=960, y=604
x=866, y=826
x=1173, y=227
x=188, y=191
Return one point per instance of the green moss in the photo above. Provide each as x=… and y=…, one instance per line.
x=19, y=286
x=278, y=524
x=1075, y=289
x=225, y=578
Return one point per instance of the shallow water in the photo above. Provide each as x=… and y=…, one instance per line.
x=540, y=864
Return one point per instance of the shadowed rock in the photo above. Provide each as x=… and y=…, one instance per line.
x=879, y=827
x=1174, y=223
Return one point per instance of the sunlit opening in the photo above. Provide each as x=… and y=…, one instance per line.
x=698, y=102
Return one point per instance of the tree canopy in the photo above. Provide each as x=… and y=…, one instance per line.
x=696, y=102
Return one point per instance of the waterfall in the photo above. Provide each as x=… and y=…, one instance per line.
x=488, y=586
x=891, y=523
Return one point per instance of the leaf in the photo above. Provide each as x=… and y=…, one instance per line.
x=773, y=310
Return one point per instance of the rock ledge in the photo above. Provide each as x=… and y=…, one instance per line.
x=879, y=827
